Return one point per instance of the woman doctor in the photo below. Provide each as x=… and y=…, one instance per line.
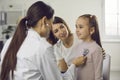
x=28, y=56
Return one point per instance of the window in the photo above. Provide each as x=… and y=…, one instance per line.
x=112, y=19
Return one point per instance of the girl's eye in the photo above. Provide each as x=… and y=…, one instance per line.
x=79, y=26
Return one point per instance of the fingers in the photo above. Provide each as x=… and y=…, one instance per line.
x=79, y=60
x=83, y=59
x=62, y=65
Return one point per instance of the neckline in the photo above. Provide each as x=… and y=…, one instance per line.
x=71, y=43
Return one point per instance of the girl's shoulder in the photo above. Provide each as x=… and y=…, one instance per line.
x=95, y=47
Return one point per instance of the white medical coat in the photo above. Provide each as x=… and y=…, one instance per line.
x=36, y=61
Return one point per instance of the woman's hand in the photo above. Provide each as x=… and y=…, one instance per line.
x=79, y=60
x=62, y=65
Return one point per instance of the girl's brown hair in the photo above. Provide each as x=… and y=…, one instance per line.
x=93, y=23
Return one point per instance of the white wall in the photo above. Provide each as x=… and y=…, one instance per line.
x=69, y=10
x=6, y=3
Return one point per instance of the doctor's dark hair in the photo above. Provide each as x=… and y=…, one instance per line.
x=35, y=12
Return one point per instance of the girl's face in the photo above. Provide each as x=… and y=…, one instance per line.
x=60, y=31
x=83, y=29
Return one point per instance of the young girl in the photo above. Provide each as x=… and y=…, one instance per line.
x=87, y=31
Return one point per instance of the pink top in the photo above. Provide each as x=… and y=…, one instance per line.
x=92, y=70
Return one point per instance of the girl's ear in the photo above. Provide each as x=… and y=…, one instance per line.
x=92, y=30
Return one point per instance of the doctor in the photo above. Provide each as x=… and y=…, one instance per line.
x=28, y=56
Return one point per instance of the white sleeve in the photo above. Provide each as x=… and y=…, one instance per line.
x=70, y=74
x=57, y=51
x=6, y=45
x=50, y=69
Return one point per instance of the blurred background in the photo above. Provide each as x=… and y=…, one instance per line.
x=107, y=12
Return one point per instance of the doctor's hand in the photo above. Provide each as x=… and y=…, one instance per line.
x=62, y=65
x=79, y=60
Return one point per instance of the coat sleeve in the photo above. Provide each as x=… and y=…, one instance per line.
x=6, y=45
x=98, y=63
x=50, y=69
x=57, y=51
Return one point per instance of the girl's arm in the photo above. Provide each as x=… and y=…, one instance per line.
x=98, y=63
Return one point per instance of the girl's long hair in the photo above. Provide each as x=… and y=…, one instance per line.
x=36, y=12
x=93, y=23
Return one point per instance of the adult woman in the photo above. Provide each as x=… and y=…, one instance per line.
x=28, y=56
x=65, y=45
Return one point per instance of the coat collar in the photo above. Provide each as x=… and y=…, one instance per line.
x=32, y=33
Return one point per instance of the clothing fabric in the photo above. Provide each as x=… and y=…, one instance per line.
x=36, y=60
x=92, y=70
x=61, y=51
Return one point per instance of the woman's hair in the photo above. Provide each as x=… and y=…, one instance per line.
x=58, y=20
x=36, y=12
x=52, y=39
x=93, y=23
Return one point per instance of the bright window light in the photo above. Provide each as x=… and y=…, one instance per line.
x=112, y=18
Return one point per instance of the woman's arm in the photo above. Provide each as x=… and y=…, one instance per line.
x=62, y=65
x=77, y=61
